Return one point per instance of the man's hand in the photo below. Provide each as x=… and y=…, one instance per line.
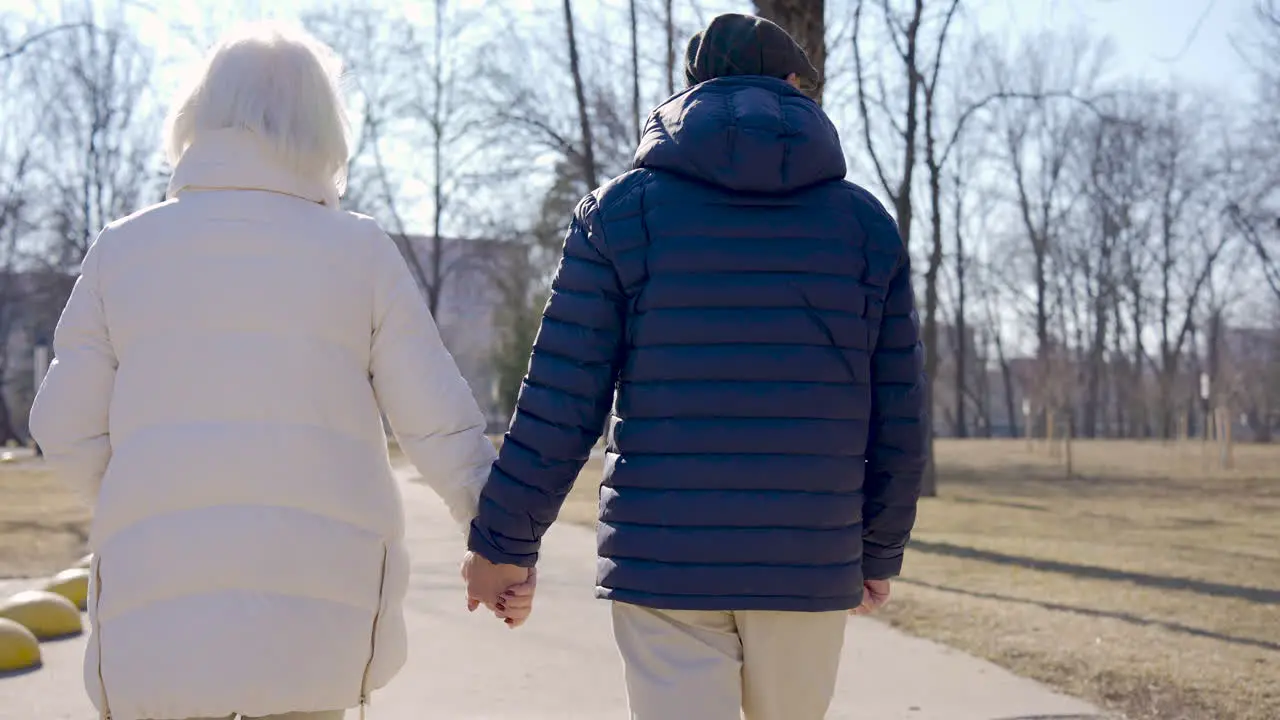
x=487, y=582
x=875, y=594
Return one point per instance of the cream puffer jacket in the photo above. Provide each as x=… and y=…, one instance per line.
x=221, y=372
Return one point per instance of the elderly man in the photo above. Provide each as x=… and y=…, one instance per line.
x=748, y=317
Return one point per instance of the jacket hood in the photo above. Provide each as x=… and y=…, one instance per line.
x=743, y=133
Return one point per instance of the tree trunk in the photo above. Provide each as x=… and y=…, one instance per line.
x=1119, y=374
x=635, y=70
x=1215, y=361
x=1100, y=309
x=1093, y=387
x=435, y=289
x=588, y=155
x=671, y=48
x=962, y=331
x=1006, y=377
x=806, y=21
x=930, y=485
x=983, y=382
x=1042, y=333
x=1139, y=413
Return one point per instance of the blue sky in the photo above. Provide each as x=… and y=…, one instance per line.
x=1191, y=39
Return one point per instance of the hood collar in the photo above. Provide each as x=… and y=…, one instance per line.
x=746, y=133
x=240, y=160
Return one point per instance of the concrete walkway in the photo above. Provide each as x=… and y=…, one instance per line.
x=562, y=665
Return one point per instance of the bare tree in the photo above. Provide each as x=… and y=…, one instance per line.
x=99, y=159
x=635, y=68
x=917, y=44
x=960, y=323
x=1039, y=143
x=459, y=134
x=1115, y=184
x=874, y=106
x=1189, y=237
x=402, y=105
x=589, y=173
x=935, y=158
x=372, y=45
x=11, y=50
x=669, y=24
x=1255, y=213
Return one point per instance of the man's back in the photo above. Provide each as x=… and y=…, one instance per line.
x=743, y=318
x=755, y=318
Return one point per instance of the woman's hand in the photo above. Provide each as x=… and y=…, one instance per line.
x=516, y=604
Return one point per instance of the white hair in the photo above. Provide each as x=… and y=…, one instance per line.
x=278, y=82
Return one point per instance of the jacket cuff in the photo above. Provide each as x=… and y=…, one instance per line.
x=874, y=568
x=480, y=543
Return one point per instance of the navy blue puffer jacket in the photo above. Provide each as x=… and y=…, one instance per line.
x=747, y=315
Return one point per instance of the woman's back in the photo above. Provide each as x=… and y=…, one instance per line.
x=221, y=371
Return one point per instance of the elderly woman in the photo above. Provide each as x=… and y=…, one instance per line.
x=222, y=369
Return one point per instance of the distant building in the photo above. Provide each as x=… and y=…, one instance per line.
x=468, y=313
x=1250, y=374
x=30, y=303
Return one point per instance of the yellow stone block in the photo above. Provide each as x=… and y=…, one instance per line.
x=45, y=614
x=19, y=649
x=72, y=584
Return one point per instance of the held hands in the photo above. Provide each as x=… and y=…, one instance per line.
x=875, y=595
x=506, y=590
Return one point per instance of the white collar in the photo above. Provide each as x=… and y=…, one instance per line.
x=240, y=160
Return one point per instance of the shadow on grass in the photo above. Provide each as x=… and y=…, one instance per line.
x=999, y=503
x=1125, y=617
x=1164, y=582
x=1056, y=717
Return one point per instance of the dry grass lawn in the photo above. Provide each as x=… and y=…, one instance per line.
x=43, y=525
x=1146, y=583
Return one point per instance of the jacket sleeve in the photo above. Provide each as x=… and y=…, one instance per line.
x=897, y=446
x=427, y=402
x=70, y=417
x=564, y=401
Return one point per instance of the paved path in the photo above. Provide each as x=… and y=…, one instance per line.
x=562, y=664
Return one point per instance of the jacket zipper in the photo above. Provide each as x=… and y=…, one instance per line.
x=373, y=634
x=97, y=633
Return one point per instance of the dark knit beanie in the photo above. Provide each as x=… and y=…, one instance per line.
x=736, y=44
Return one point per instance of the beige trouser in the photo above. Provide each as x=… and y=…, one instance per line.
x=696, y=665
x=325, y=715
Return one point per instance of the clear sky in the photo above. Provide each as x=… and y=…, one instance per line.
x=1192, y=39
x=1189, y=39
